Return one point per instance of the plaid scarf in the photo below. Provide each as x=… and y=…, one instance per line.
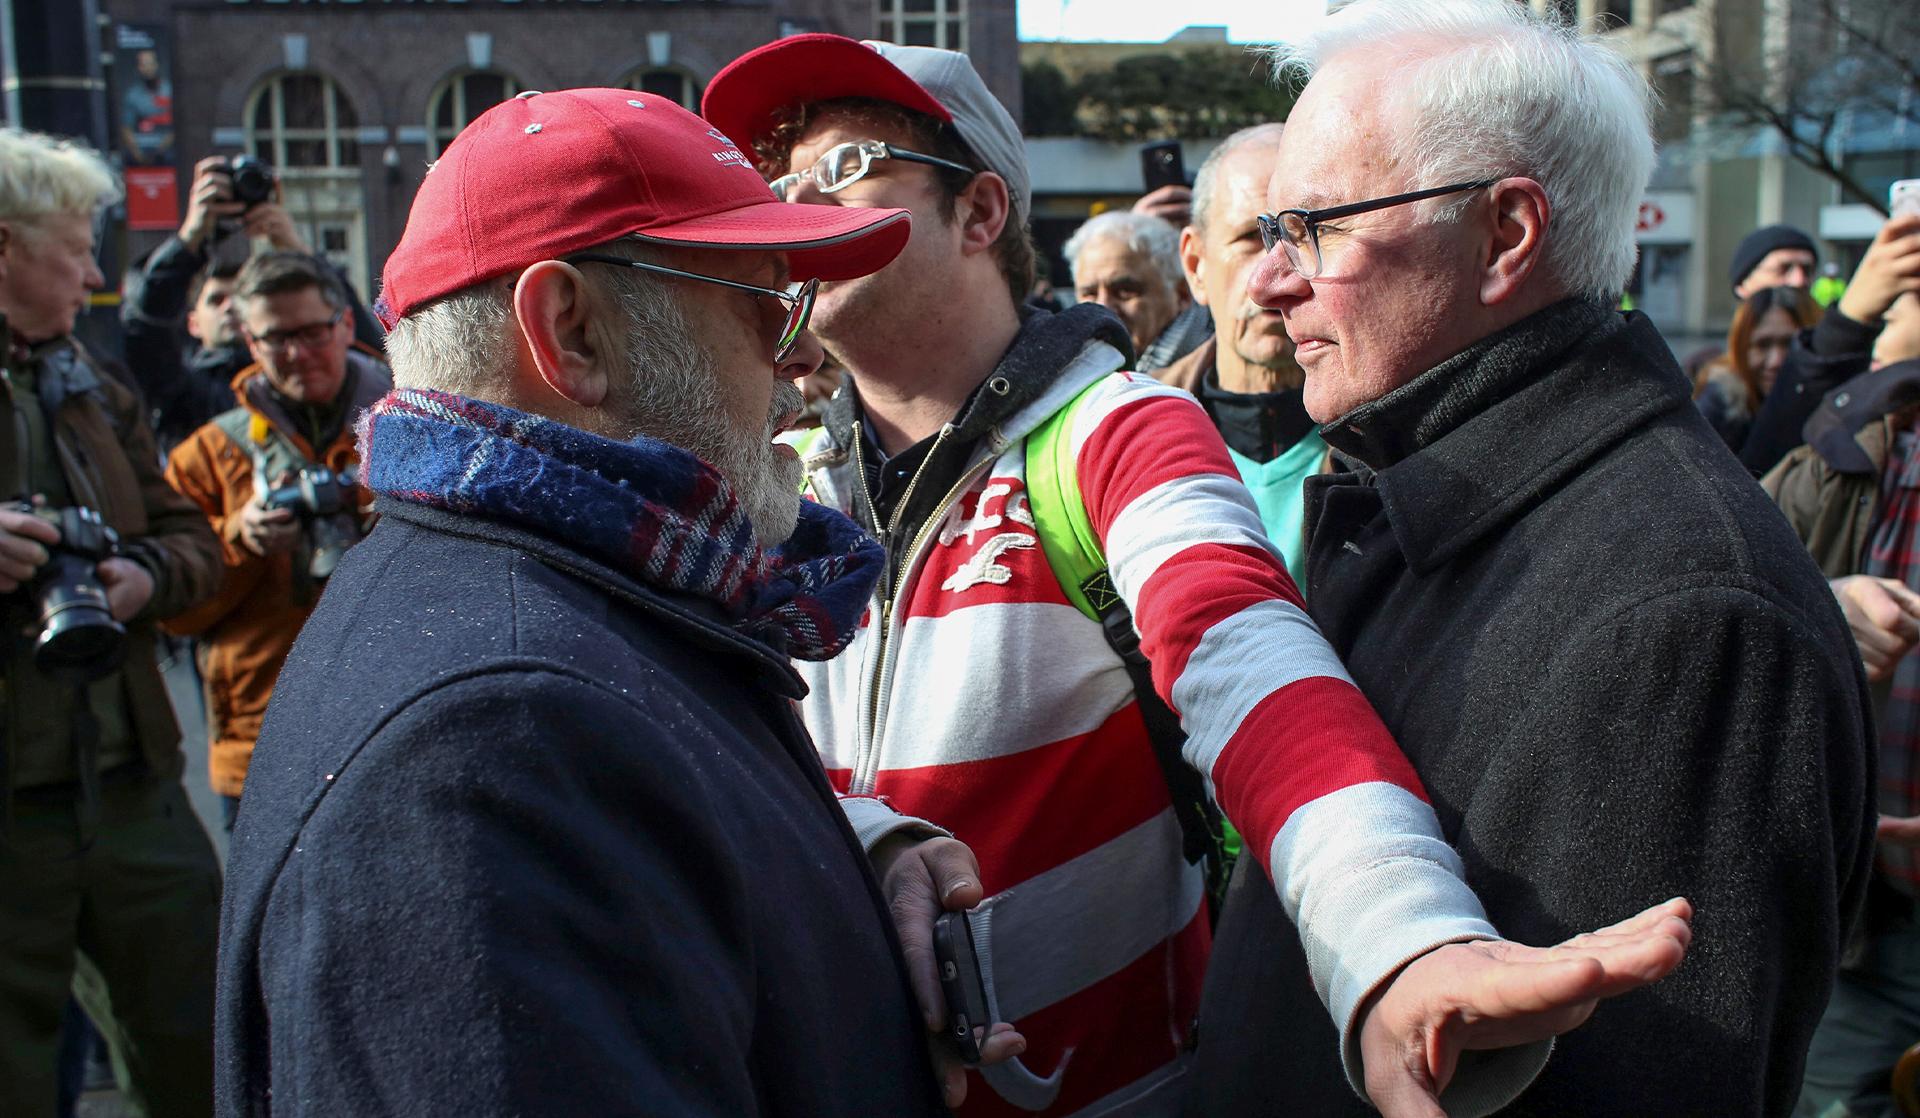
x=645, y=507
x=1893, y=551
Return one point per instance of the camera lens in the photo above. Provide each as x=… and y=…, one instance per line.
x=79, y=639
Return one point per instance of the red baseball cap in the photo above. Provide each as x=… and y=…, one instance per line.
x=546, y=174
x=743, y=99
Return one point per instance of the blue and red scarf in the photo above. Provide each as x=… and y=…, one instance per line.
x=644, y=507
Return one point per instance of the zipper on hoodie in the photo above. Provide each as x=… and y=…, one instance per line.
x=867, y=761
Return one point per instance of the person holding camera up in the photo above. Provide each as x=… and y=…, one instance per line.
x=103, y=865
x=183, y=335
x=274, y=476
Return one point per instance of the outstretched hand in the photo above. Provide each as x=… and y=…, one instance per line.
x=1497, y=994
x=921, y=878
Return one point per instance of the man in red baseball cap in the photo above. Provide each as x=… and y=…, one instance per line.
x=1077, y=731
x=531, y=827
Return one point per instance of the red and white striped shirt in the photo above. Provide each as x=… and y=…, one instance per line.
x=979, y=700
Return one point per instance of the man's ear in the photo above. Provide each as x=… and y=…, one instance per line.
x=1193, y=264
x=983, y=209
x=1518, y=243
x=554, y=307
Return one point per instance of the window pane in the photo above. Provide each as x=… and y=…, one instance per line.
x=484, y=91
x=917, y=34
x=917, y=5
x=343, y=114
x=665, y=83
x=306, y=153
x=263, y=113
x=349, y=152
x=304, y=97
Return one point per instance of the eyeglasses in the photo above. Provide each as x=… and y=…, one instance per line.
x=845, y=164
x=799, y=302
x=311, y=336
x=1298, y=231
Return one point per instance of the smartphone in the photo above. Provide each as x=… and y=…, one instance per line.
x=1903, y=197
x=1162, y=164
x=961, y=983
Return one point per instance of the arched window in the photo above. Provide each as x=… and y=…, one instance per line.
x=302, y=119
x=461, y=98
x=923, y=23
x=670, y=82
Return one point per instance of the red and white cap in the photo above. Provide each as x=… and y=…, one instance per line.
x=547, y=174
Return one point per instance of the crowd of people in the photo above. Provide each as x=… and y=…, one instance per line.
x=1341, y=663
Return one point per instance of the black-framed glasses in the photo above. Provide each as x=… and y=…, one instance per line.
x=311, y=336
x=799, y=301
x=848, y=163
x=1298, y=231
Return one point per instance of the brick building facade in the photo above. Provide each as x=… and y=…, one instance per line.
x=351, y=99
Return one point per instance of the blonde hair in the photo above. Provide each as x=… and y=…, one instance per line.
x=42, y=175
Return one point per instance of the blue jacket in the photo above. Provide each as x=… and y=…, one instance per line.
x=525, y=837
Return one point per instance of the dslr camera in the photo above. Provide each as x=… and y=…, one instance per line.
x=79, y=640
x=323, y=501
x=252, y=179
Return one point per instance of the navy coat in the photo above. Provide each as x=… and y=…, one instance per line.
x=523, y=837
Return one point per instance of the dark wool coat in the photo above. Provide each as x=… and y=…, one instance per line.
x=523, y=837
x=1622, y=679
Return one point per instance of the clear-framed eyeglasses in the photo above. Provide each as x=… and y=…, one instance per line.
x=799, y=299
x=1297, y=232
x=848, y=163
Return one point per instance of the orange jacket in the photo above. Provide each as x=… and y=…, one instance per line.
x=246, y=629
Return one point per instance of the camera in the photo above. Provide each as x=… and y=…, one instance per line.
x=79, y=640
x=252, y=180
x=323, y=500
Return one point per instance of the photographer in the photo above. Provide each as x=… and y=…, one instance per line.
x=100, y=855
x=183, y=338
x=274, y=475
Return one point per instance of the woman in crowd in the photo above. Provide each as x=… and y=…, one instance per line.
x=1732, y=386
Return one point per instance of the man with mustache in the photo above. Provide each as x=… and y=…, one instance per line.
x=532, y=827
x=1244, y=375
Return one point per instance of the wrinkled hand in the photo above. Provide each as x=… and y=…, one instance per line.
x=271, y=222
x=128, y=585
x=24, y=539
x=209, y=200
x=265, y=531
x=921, y=878
x=1890, y=269
x=1882, y=612
x=1172, y=204
x=1497, y=994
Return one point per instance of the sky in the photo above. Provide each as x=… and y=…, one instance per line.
x=1152, y=21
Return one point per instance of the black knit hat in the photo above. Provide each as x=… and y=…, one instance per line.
x=1755, y=246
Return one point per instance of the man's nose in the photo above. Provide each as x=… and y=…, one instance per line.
x=805, y=360
x=1275, y=279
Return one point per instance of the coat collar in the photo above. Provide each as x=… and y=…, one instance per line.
x=1474, y=442
x=1843, y=431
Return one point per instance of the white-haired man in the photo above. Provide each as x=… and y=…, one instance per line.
x=532, y=828
x=1129, y=263
x=1245, y=375
x=976, y=695
x=1612, y=664
x=103, y=865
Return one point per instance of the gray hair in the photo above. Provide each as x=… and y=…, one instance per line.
x=1488, y=89
x=42, y=175
x=1149, y=236
x=463, y=343
x=1203, y=185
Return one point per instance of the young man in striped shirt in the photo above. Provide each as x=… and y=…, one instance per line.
x=975, y=702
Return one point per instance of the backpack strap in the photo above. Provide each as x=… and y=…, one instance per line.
x=1073, y=551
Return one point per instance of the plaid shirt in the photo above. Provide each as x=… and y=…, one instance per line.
x=1893, y=551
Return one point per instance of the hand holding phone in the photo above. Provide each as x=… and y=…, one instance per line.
x=1903, y=197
